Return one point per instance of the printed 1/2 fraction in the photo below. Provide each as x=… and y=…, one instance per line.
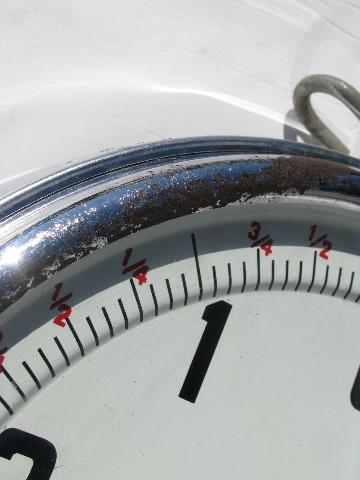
x=320, y=240
x=139, y=269
x=265, y=241
x=60, y=305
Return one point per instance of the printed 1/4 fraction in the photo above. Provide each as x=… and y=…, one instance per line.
x=320, y=240
x=265, y=242
x=3, y=350
x=139, y=269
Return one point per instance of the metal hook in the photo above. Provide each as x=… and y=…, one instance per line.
x=333, y=86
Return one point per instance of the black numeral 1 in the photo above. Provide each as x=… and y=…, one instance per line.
x=215, y=315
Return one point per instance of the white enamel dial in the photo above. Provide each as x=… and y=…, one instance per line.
x=134, y=383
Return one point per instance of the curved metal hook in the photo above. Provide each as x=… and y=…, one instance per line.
x=333, y=86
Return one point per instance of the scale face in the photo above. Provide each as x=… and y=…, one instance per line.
x=193, y=317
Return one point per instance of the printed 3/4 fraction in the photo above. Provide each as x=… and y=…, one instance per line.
x=3, y=350
x=60, y=305
x=265, y=242
x=139, y=269
x=322, y=239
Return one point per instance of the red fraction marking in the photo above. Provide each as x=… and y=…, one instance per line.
x=128, y=253
x=61, y=301
x=134, y=266
x=60, y=319
x=324, y=251
x=139, y=268
x=140, y=274
x=2, y=352
x=255, y=234
x=267, y=247
x=312, y=232
x=260, y=241
x=322, y=239
x=319, y=240
x=57, y=291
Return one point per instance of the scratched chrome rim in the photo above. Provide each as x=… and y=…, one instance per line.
x=70, y=214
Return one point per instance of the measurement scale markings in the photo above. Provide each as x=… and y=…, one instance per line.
x=123, y=311
x=338, y=283
x=350, y=286
x=186, y=296
x=32, y=375
x=193, y=240
x=93, y=331
x=300, y=276
x=76, y=336
x=47, y=363
x=230, y=279
x=63, y=353
x=272, y=274
x=14, y=384
x=137, y=299
x=108, y=321
x=214, y=280
x=156, y=306
x=216, y=315
x=171, y=300
x=313, y=273
x=6, y=405
x=355, y=394
x=286, y=275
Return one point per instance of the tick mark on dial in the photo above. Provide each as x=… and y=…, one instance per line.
x=6, y=405
x=93, y=331
x=300, y=276
x=350, y=286
x=193, y=240
x=14, y=384
x=326, y=279
x=32, y=375
x=185, y=288
x=215, y=280
x=108, y=321
x=156, y=306
x=286, y=275
x=338, y=283
x=313, y=272
x=258, y=269
x=244, y=277
x=76, y=336
x=230, y=279
x=171, y=300
x=137, y=299
x=47, y=363
x=123, y=311
x=62, y=351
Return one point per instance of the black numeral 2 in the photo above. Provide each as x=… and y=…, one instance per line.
x=41, y=451
x=215, y=315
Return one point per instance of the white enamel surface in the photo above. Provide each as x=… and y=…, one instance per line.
x=275, y=402
x=80, y=78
